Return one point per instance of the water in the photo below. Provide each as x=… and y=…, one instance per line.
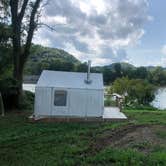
x=29, y=87
x=159, y=101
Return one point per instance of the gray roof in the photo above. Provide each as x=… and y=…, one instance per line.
x=61, y=79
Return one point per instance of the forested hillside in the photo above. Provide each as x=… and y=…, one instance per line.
x=49, y=58
x=45, y=58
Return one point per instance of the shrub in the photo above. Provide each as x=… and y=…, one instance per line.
x=28, y=101
x=8, y=89
x=137, y=91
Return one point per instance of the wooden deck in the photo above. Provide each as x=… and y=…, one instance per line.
x=113, y=113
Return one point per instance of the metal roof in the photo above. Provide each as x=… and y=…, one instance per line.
x=61, y=79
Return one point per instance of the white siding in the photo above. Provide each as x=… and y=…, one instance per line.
x=80, y=102
x=77, y=102
x=42, y=101
x=95, y=105
x=85, y=103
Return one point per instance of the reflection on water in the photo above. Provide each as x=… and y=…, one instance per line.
x=160, y=99
x=29, y=87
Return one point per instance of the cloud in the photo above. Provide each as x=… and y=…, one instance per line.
x=163, y=50
x=99, y=30
x=146, y=57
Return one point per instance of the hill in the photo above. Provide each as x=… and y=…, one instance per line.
x=124, y=66
x=45, y=58
x=57, y=59
x=49, y=58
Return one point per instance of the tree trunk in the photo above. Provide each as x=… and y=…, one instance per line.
x=2, y=106
x=21, y=50
x=18, y=75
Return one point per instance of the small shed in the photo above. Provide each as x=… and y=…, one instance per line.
x=69, y=94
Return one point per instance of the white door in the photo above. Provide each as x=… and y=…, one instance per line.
x=60, y=102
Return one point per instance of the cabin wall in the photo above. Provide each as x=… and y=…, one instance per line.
x=43, y=101
x=77, y=102
x=95, y=103
x=85, y=102
x=80, y=102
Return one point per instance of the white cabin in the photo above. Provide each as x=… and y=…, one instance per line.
x=69, y=94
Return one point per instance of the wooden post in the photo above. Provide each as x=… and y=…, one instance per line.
x=120, y=106
x=117, y=102
x=2, y=106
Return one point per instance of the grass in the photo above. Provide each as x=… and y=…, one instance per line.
x=49, y=144
x=147, y=117
x=161, y=134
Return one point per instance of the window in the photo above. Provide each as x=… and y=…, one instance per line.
x=60, y=98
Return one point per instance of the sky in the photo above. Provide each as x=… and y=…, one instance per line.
x=107, y=31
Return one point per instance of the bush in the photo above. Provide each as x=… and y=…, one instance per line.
x=137, y=91
x=28, y=101
x=8, y=89
x=108, y=101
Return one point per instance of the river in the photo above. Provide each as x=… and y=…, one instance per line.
x=29, y=87
x=159, y=101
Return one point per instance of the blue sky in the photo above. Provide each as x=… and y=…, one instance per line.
x=156, y=30
x=107, y=31
x=149, y=52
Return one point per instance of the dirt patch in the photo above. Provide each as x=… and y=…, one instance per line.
x=140, y=137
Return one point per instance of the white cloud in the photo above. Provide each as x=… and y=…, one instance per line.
x=99, y=30
x=164, y=49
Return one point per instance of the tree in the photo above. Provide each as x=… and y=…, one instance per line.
x=24, y=16
x=81, y=67
x=136, y=90
x=5, y=49
x=5, y=37
x=158, y=76
x=118, y=70
x=141, y=72
x=108, y=75
x=2, y=106
x=120, y=86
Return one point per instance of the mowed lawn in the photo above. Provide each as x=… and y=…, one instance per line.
x=141, y=140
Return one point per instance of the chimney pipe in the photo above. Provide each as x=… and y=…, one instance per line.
x=88, y=81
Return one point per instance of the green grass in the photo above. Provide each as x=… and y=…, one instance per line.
x=146, y=117
x=161, y=134
x=70, y=143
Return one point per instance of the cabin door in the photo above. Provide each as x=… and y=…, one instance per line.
x=60, y=102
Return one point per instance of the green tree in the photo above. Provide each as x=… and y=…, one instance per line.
x=108, y=75
x=81, y=67
x=118, y=70
x=23, y=16
x=136, y=90
x=141, y=72
x=5, y=37
x=5, y=49
x=120, y=86
x=158, y=76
